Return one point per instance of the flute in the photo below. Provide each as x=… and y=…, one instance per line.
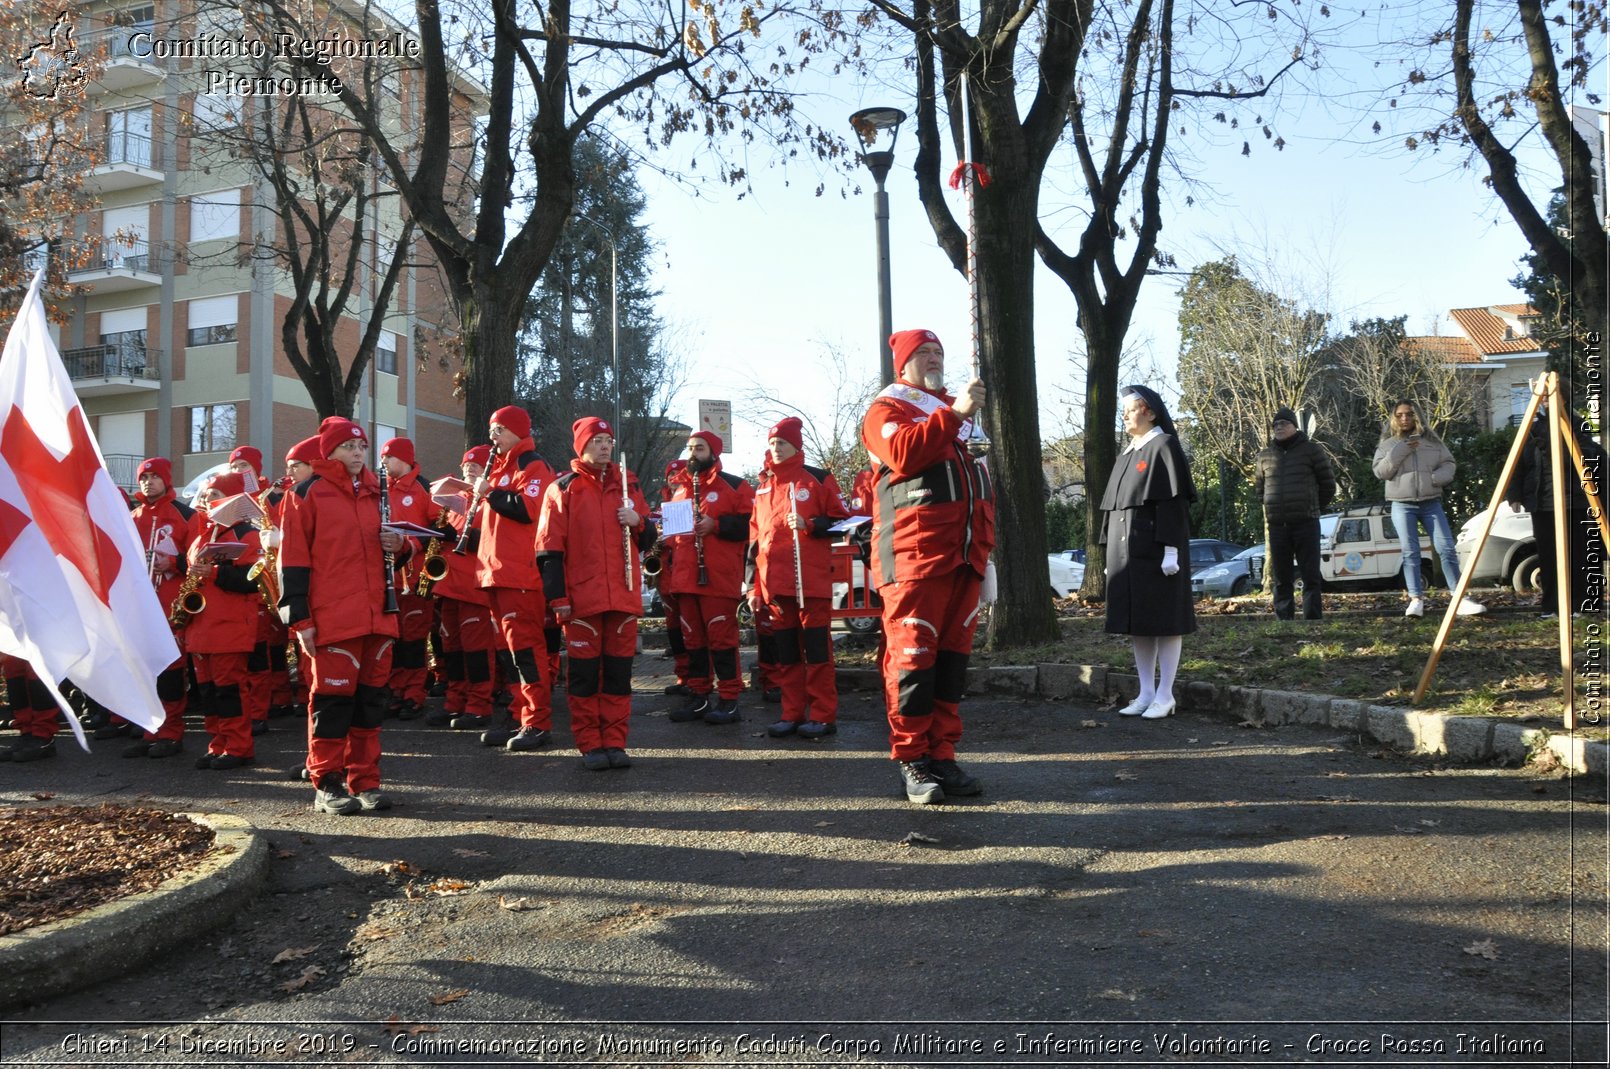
x=462, y=546
x=390, y=558
x=626, y=532
x=799, y=568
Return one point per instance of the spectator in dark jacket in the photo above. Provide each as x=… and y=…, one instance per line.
x=1295, y=481
x=1532, y=488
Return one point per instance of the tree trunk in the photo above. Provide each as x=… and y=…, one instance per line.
x=1023, y=615
x=1103, y=351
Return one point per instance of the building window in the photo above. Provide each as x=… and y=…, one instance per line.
x=212, y=428
x=212, y=320
x=386, y=352
x=1520, y=395
x=211, y=112
x=215, y=216
x=128, y=137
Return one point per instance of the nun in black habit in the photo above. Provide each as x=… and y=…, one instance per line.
x=1147, y=532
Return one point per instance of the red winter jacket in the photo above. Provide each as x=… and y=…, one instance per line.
x=410, y=503
x=933, y=505
x=507, y=549
x=816, y=494
x=170, y=519
x=230, y=622
x=580, y=543
x=729, y=501
x=331, y=566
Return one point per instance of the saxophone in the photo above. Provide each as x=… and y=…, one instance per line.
x=188, y=603
x=433, y=569
x=265, y=573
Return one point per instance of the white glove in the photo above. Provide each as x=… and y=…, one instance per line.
x=1171, y=561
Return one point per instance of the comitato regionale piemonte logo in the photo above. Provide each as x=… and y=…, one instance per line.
x=51, y=66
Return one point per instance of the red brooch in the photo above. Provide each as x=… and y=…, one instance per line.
x=1140, y=465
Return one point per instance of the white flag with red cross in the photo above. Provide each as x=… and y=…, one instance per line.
x=75, y=599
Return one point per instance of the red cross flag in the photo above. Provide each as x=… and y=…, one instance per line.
x=75, y=601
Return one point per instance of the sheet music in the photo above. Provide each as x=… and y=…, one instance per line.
x=676, y=518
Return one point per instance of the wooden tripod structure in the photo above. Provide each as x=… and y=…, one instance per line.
x=1546, y=388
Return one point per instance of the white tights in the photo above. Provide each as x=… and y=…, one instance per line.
x=1157, y=660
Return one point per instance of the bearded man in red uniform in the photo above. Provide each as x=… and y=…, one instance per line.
x=933, y=530
x=333, y=592
x=511, y=493
x=713, y=553
x=791, y=540
x=594, y=526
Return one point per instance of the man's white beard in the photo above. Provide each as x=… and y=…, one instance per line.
x=934, y=383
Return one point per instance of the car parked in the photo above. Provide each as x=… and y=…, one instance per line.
x=1230, y=578
x=1510, y=554
x=1067, y=571
x=1206, y=552
x=1359, y=546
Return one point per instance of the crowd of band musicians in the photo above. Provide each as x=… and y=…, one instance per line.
x=515, y=563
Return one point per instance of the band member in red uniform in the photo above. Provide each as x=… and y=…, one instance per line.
x=791, y=540
x=410, y=503
x=167, y=527
x=588, y=544
x=706, y=575
x=933, y=529
x=221, y=636
x=673, y=620
x=288, y=697
x=257, y=691
x=33, y=712
x=333, y=579
x=469, y=637
x=511, y=494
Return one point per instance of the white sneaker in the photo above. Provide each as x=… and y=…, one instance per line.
x=1417, y=607
x=1470, y=608
x=1136, y=707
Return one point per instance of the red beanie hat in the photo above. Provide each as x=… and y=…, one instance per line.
x=161, y=467
x=789, y=430
x=585, y=430
x=228, y=483
x=677, y=465
x=481, y=454
x=711, y=439
x=905, y=342
x=401, y=448
x=513, y=419
x=336, y=430
x=306, y=451
x=251, y=455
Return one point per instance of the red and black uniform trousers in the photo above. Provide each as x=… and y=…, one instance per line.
x=799, y=651
x=349, y=697
x=32, y=710
x=469, y=647
x=520, y=618
x=410, y=657
x=709, y=627
x=598, y=684
x=928, y=627
x=233, y=686
x=673, y=618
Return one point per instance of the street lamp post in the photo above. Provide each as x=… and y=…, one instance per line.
x=614, y=311
x=877, y=152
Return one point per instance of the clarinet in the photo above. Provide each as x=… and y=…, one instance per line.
x=698, y=539
x=391, y=558
x=462, y=546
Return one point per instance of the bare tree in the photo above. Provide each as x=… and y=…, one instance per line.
x=831, y=417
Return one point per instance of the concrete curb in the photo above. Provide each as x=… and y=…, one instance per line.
x=1469, y=740
x=108, y=940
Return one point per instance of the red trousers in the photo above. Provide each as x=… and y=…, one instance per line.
x=673, y=636
x=518, y=616
x=803, y=645
x=928, y=626
x=710, y=633
x=221, y=682
x=349, y=702
x=468, y=642
x=33, y=710
x=601, y=649
x=409, y=658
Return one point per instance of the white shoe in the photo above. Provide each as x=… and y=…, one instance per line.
x=1470, y=608
x=1136, y=707
x=1417, y=607
x=1158, y=709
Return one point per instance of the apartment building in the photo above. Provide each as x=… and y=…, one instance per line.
x=1495, y=344
x=175, y=344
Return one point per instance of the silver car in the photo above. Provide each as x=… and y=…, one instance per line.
x=1230, y=578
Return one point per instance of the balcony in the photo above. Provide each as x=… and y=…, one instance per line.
x=119, y=268
x=100, y=370
x=128, y=161
x=126, y=68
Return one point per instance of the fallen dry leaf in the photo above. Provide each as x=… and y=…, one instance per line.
x=42, y=796
x=449, y=996
x=1327, y=838
x=823, y=824
x=1483, y=949
x=1249, y=723
x=1125, y=774
x=284, y=855
x=471, y=853
x=1112, y=994
x=516, y=905
x=1090, y=723
x=395, y=1026
x=293, y=953
x=445, y=887
x=400, y=868
x=309, y=974
x=914, y=837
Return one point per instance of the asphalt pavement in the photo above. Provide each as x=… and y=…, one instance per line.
x=1124, y=892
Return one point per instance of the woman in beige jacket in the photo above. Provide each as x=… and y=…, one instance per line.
x=1416, y=465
